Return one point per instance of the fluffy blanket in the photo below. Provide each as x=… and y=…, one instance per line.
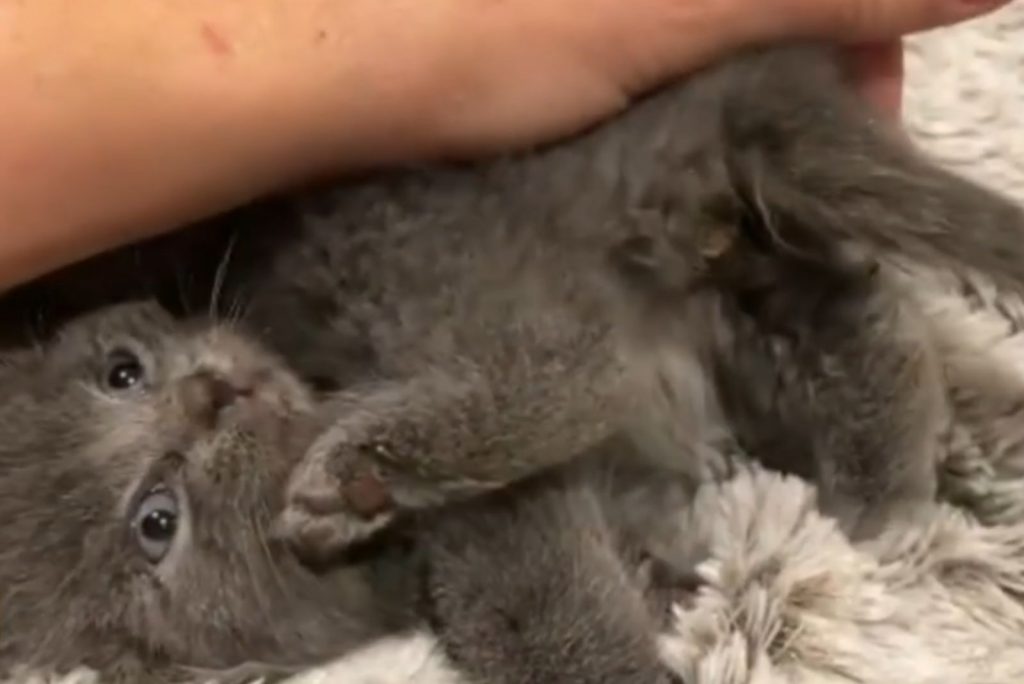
x=786, y=597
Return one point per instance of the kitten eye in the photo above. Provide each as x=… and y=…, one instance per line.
x=124, y=370
x=155, y=523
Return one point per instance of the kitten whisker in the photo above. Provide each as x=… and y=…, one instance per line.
x=238, y=309
x=182, y=292
x=220, y=276
x=264, y=547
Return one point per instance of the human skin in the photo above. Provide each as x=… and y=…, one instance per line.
x=124, y=119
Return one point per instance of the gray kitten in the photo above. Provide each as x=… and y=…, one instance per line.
x=702, y=265
x=141, y=466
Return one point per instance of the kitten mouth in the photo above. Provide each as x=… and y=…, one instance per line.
x=258, y=403
x=262, y=409
x=258, y=429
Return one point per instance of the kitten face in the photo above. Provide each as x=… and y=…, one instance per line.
x=140, y=464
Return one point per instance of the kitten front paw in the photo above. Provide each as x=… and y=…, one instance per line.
x=338, y=496
x=359, y=475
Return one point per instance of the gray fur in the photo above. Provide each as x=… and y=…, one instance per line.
x=536, y=583
x=704, y=261
x=216, y=420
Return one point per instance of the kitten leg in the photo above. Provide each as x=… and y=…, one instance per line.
x=823, y=165
x=526, y=585
x=817, y=163
x=446, y=434
x=851, y=395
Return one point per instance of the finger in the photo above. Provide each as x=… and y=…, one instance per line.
x=876, y=69
x=674, y=36
x=856, y=21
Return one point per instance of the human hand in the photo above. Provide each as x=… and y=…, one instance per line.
x=531, y=70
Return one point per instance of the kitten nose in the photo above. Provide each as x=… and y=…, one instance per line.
x=205, y=394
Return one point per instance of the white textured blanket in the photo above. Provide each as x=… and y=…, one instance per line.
x=787, y=599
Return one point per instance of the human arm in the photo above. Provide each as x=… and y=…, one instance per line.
x=123, y=119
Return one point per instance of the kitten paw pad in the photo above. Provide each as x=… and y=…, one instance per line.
x=335, y=499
